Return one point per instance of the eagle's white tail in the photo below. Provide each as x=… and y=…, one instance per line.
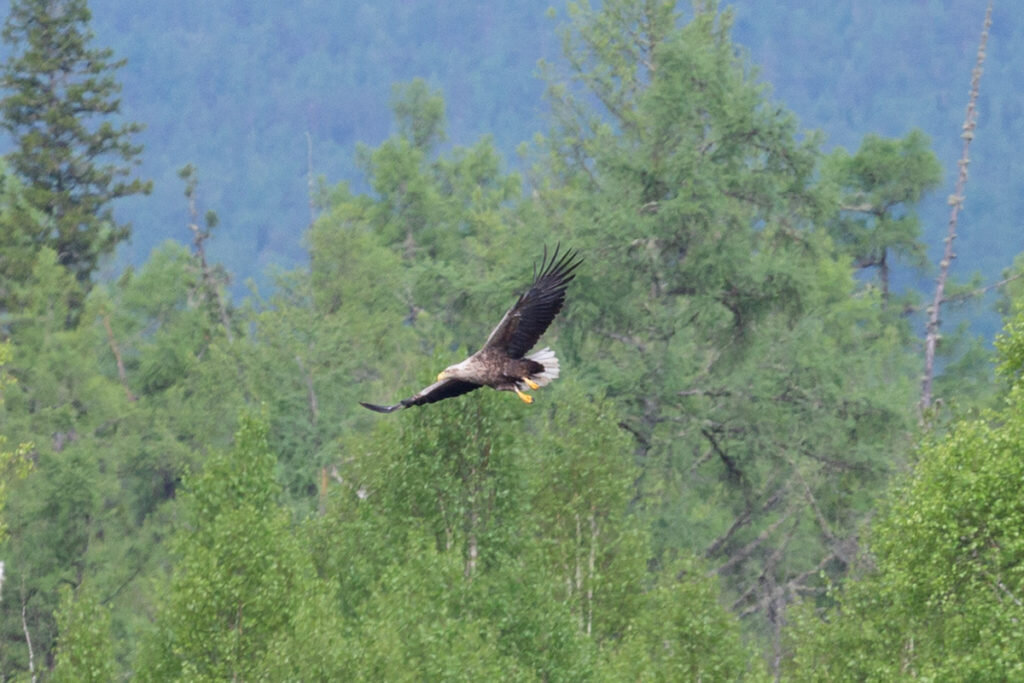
x=549, y=360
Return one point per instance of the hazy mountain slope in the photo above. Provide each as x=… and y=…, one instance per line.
x=234, y=88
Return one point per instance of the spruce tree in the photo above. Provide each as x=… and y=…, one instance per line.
x=72, y=153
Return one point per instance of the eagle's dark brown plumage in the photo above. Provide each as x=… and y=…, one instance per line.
x=502, y=363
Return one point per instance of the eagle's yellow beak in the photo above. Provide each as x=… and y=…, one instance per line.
x=441, y=375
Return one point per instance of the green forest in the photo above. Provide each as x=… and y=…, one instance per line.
x=764, y=459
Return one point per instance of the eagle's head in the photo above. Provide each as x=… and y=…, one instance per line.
x=457, y=371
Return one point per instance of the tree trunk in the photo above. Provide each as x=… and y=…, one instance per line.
x=956, y=201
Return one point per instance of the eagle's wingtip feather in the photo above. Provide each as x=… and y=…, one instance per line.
x=381, y=409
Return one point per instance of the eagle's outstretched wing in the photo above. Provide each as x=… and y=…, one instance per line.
x=527, y=320
x=438, y=391
x=518, y=331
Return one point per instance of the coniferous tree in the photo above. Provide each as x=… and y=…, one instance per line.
x=879, y=187
x=61, y=108
x=759, y=384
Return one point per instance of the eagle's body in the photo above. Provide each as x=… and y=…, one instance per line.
x=494, y=369
x=502, y=363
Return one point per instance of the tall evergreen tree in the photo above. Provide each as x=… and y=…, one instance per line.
x=759, y=386
x=61, y=108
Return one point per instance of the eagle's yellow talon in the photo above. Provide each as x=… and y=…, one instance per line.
x=526, y=398
x=530, y=383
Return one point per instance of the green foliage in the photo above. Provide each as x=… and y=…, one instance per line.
x=768, y=394
x=84, y=648
x=734, y=399
x=939, y=596
x=537, y=623
x=59, y=106
x=57, y=519
x=453, y=470
x=1010, y=344
x=426, y=205
x=18, y=245
x=238, y=570
x=880, y=186
x=108, y=448
x=58, y=516
x=316, y=646
x=416, y=625
x=529, y=533
x=682, y=633
x=419, y=114
x=839, y=70
x=581, y=486
x=13, y=464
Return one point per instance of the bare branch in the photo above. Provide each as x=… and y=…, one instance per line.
x=744, y=518
x=28, y=636
x=1016, y=600
x=629, y=341
x=730, y=463
x=823, y=524
x=956, y=201
x=766, y=576
x=747, y=550
x=741, y=521
x=963, y=296
x=641, y=439
x=579, y=564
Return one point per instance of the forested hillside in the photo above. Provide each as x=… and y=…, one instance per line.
x=734, y=477
x=235, y=88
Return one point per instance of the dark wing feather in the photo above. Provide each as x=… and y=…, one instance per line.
x=438, y=391
x=527, y=320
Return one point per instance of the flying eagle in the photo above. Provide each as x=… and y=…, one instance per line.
x=502, y=363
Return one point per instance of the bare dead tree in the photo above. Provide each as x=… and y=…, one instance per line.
x=209, y=276
x=956, y=202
